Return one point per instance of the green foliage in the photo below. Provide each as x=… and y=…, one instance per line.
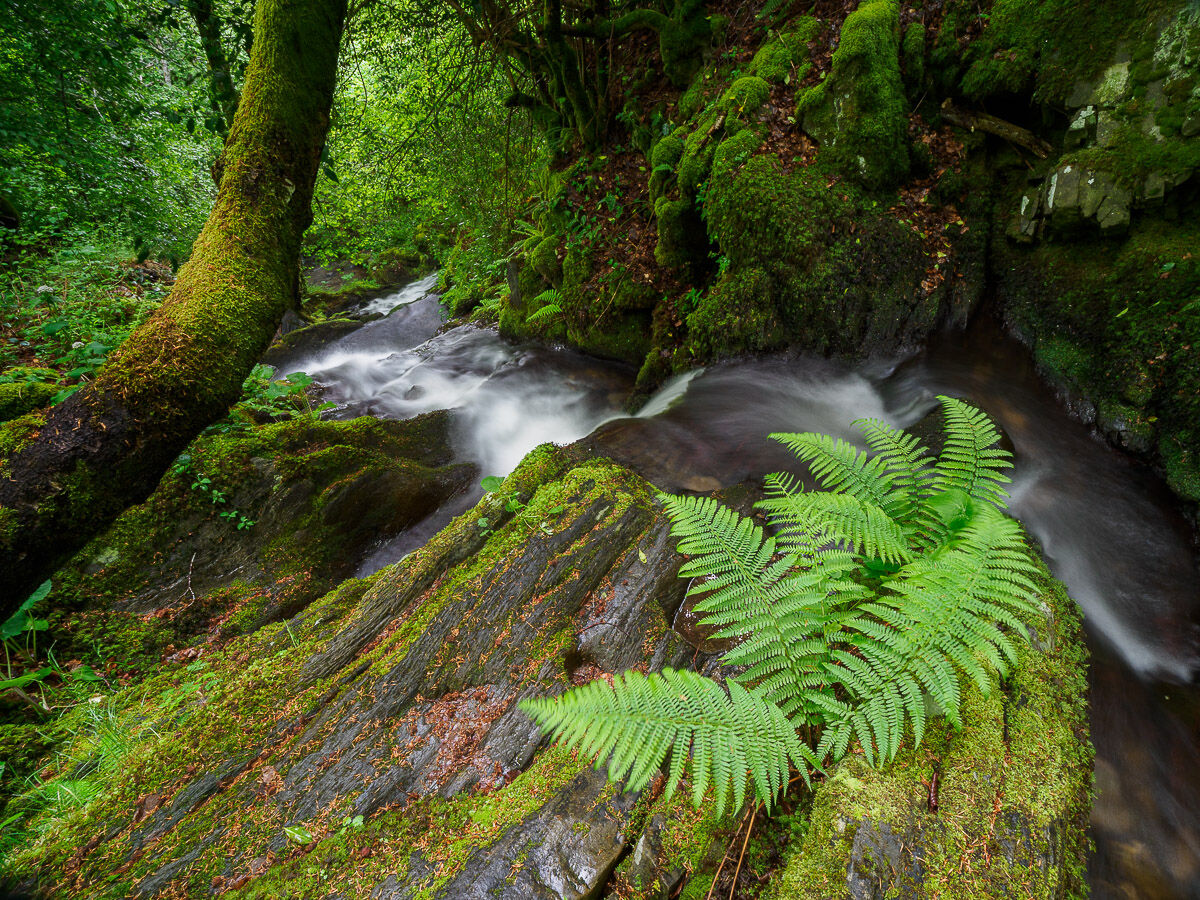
x=422, y=149
x=863, y=610
x=68, y=305
x=859, y=113
x=100, y=103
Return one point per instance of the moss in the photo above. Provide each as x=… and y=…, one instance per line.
x=677, y=222
x=785, y=58
x=1013, y=790
x=912, y=53
x=691, y=101
x=1118, y=320
x=443, y=833
x=461, y=299
x=841, y=274
x=738, y=313
x=745, y=97
x=543, y=258
x=859, y=113
x=1047, y=47
x=733, y=151
x=697, y=157
x=16, y=433
x=20, y=397
x=664, y=158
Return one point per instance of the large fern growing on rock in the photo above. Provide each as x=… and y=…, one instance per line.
x=865, y=606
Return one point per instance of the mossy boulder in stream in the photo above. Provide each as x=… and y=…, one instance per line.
x=249, y=527
x=394, y=699
x=1001, y=804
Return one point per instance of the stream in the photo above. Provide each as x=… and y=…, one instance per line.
x=1109, y=528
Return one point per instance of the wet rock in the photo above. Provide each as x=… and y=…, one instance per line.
x=318, y=495
x=411, y=721
x=305, y=341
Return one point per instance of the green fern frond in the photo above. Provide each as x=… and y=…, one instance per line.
x=548, y=305
x=909, y=462
x=733, y=738
x=840, y=466
x=842, y=519
x=970, y=461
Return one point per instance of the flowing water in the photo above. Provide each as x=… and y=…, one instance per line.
x=1109, y=529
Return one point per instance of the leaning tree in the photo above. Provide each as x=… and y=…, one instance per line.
x=68, y=471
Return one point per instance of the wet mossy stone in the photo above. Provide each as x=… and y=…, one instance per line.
x=843, y=276
x=784, y=57
x=912, y=52
x=1013, y=792
x=319, y=495
x=1117, y=323
x=543, y=259
x=22, y=396
x=309, y=339
x=678, y=223
x=859, y=113
x=739, y=311
x=410, y=721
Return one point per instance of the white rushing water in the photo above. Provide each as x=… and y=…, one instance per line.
x=505, y=399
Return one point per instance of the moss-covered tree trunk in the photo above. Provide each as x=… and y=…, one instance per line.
x=68, y=471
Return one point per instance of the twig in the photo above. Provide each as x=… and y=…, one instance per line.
x=189, y=584
x=974, y=121
x=742, y=855
x=708, y=896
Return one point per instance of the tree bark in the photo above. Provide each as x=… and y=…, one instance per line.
x=67, y=472
x=222, y=91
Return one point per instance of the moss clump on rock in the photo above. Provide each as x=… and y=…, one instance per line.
x=841, y=275
x=784, y=57
x=1013, y=792
x=859, y=113
x=1118, y=323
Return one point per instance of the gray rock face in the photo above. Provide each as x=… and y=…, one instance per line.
x=1114, y=119
x=408, y=716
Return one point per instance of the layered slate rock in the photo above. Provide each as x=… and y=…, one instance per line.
x=253, y=523
x=394, y=699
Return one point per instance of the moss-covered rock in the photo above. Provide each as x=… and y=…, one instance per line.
x=1117, y=323
x=859, y=113
x=409, y=720
x=812, y=261
x=251, y=527
x=20, y=397
x=784, y=57
x=968, y=814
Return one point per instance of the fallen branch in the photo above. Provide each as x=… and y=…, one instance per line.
x=975, y=121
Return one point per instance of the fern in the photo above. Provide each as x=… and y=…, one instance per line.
x=871, y=598
x=548, y=307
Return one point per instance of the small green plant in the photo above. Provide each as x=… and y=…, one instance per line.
x=863, y=611
x=492, y=484
x=19, y=635
x=548, y=306
x=204, y=486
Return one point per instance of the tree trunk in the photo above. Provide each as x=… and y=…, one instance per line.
x=222, y=91
x=69, y=471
